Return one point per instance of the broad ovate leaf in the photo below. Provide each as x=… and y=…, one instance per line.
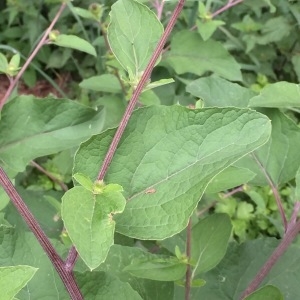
x=88, y=218
x=133, y=34
x=268, y=292
x=166, y=158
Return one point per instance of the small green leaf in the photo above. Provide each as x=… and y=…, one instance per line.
x=84, y=180
x=168, y=269
x=178, y=252
x=210, y=238
x=83, y=13
x=88, y=219
x=13, y=279
x=268, y=292
x=195, y=283
x=133, y=34
x=103, y=83
x=74, y=42
x=158, y=83
x=206, y=28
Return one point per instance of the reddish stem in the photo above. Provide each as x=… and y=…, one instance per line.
x=229, y=4
x=138, y=90
x=32, y=55
x=66, y=276
x=282, y=247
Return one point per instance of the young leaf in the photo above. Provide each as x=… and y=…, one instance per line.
x=88, y=219
x=176, y=152
x=13, y=279
x=84, y=180
x=168, y=269
x=206, y=28
x=133, y=34
x=189, y=53
x=268, y=292
x=37, y=127
x=3, y=63
x=209, y=242
x=74, y=42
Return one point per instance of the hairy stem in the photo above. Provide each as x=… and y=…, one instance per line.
x=138, y=90
x=188, y=274
x=58, y=263
x=32, y=55
x=282, y=247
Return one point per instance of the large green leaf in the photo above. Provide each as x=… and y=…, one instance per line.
x=166, y=158
x=190, y=54
x=216, y=91
x=32, y=127
x=13, y=279
x=279, y=94
x=210, y=238
x=87, y=216
x=240, y=265
x=279, y=158
x=133, y=34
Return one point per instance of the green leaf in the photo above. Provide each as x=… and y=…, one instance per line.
x=297, y=189
x=210, y=238
x=13, y=279
x=190, y=54
x=216, y=91
x=206, y=28
x=133, y=34
x=278, y=158
x=103, y=83
x=22, y=248
x=88, y=220
x=176, y=153
x=279, y=94
x=296, y=64
x=149, y=98
x=32, y=127
x=74, y=42
x=158, y=83
x=84, y=180
x=268, y=292
x=3, y=63
x=119, y=257
x=100, y=285
x=229, y=178
x=168, y=269
x=84, y=13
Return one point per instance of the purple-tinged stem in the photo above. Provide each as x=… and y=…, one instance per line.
x=188, y=274
x=67, y=277
x=138, y=90
x=282, y=247
x=71, y=259
x=159, y=6
x=275, y=192
x=229, y=4
x=14, y=82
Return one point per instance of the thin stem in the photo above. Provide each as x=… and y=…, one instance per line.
x=71, y=259
x=138, y=90
x=188, y=274
x=53, y=178
x=275, y=192
x=284, y=244
x=32, y=55
x=159, y=6
x=66, y=277
x=229, y=4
